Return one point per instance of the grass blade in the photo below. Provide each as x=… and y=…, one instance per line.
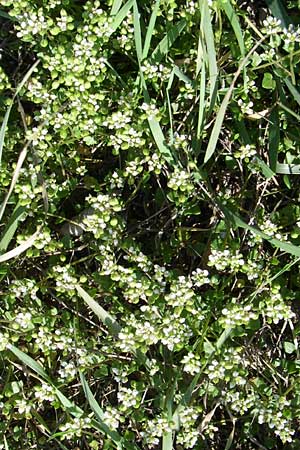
x=221, y=114
x=7, y=114
x=150, y=29
x=137, y=32
x=274, y=138
x=30, y=362
x=115, y=7
x=235, y=23
x=166, y=43
x=207, y=30
x=20, y=248
x=103, y=315
x=114, y=435
x=238, y=222
x=292, y=90
x=288, y=169
x=120, y=16
x=11, y=227
x=14, y=180
x=277, y=9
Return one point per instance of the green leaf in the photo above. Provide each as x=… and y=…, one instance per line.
x=115, y=437
x=103, y=315
x=268, y=173
x=30, y=362
x=166, y=43
x=120, y=16
x=274, y=138
x=150, y=29
x=11, y=227
x=212, y=143
x=289, y=347
x=268, y=81
x=7, y=114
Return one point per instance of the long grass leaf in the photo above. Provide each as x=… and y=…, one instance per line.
x=11, y=227
x=235, y=220
x=208, y=34
x=166, y=43
x=137, y=32
x=288, y=169
x=295, y=93
x=274, y=138
x=30, y=362
x=288, y=110
x=17, y=251
x=115, y=7
x=103, y=315
x=120, y=16
x=235, y=23
x=277, y=9
x=7, y=16
x=115, y=436
x=221, y=113
x=7, y=114
x=15, y=177
x=150, y=29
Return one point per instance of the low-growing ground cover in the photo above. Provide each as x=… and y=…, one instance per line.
x=150, y=224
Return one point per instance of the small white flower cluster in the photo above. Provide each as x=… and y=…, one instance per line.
x=223, y=259
x=138, y=334
x=27, y=194
x=155, y=163
x=101, y=216
x=23, y=320
x=236, y=315
x=116, y=180
x=47, y=341
x=274, y=309
x=118, y=120
x=200, y=277
x=39, y=136
x=128, y=398
x=134, y=168
x=64, y=278
x=273, y=415
x=25, y=288
x=271, y=229
x=67, y=371
x=181, y=295
x=239, y=401
x=188, y=434
x=291, y=35
x=245, y=152
x=175, y=333
x=138, y=289
x=191, y=363
x=44, y=393
x=180, y=141
x=155, y=72
x=76, y=427
x=231, y=367
x=151, y=111
x=32, y=23
x=126, y=33
x=154, y=430
x=112, y=417
x=180, y=180
x=135, y=255
x=271, y=25
x=24, y=408
x=246, y=107
x=4, y=341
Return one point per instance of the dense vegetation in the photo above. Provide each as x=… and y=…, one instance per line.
x=150, y=224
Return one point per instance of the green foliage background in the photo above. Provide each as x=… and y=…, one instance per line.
x=150, y=230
